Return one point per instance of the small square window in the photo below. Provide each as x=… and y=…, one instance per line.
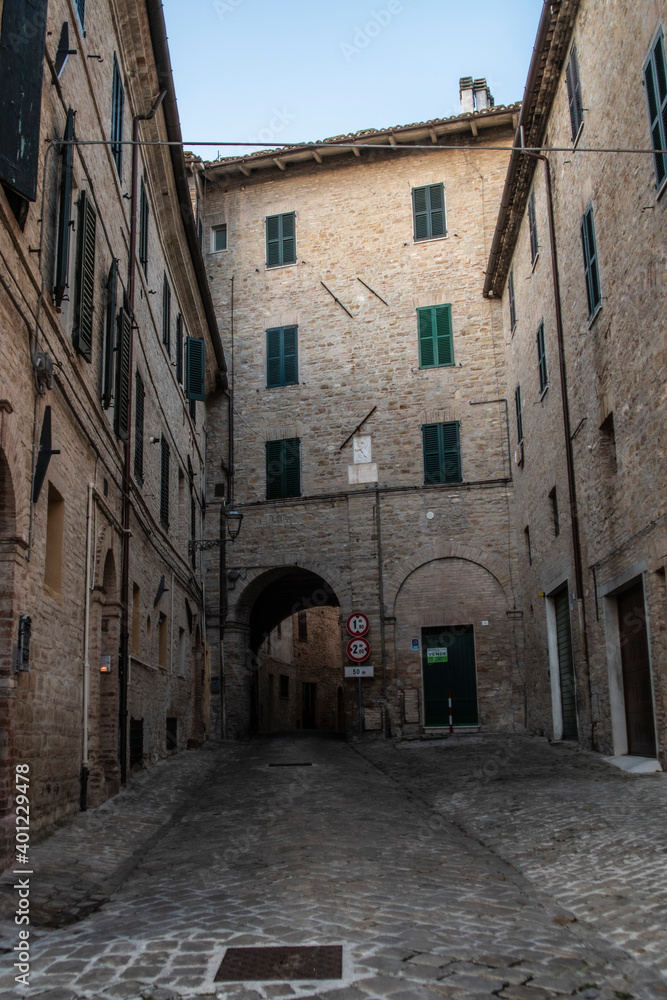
x=218, y=238
x=284, y=686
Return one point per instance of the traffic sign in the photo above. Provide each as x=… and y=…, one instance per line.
x=360, y=671
x=358, y=624
x=358, y=650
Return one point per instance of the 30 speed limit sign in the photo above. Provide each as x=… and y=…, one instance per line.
x=358, y=624
x=358, y=650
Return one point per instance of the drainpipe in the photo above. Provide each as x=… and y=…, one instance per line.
x=567, y=427
x=86, y=648
x=383, y=643
x=123, y=671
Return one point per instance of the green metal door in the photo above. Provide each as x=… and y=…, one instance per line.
x=448, y=664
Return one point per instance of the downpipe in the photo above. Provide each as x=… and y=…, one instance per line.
x=85, y=772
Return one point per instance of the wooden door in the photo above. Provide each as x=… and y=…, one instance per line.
x=448, y=664
x=637, y=687
x=568, y=699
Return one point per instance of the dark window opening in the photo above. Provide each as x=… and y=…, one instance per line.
x=303, y=626
x=553, y=497
x=283, y=690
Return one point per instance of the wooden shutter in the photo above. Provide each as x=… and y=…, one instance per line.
x=420, y=212
x=443, y=328
x=272, y=240
x=292, y=467
x=143, y=227
x=110, y=336
x=117, y=108
x=655, y=79
x=590, y=261
x=274, y=357
x=81, y=10
x=179, y=349
x=427, y=345
x=451, y=452
x=196, y=369
x=122, y=400
x=166, y=314
x=283, y=468
x=436, y=196
x=542, y=358
x=573, y=81
x=433, y=472
x=274, y=467
x=64, y=212
x=532, y=226
x=164, y=483
x=290, y=357
x=82, y=335
x=510, y=292
x=519, y=414
x=22, y=39
x=288, y=238
x=140, y=395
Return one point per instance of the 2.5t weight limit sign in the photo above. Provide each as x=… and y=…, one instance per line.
x=358, y=624
x=358, y=650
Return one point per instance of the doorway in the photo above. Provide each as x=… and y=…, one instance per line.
x=308, y=705
x=448, y=666
x=566, y=681
x=636, y=669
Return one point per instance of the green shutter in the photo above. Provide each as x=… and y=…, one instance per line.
x=65, y=211
x=166, y=314
x=290, y=356
x=274, y=357
x=573, y=81
x=164, y=483
x=590, y=261
x=122, y=401
x=196, y=365
x=519, y=414
x=443, y=325
x=451, y=452
x=283, y=469
x=420, y=211
x=140, y=395
x=655, y=79
x=179, y=349
x=431, y=440
x=82, y=335
x=110, y=336
x=427, y=346
x=143, y=228
x=542, y=358
x=436, y=194
x=288, y=238
x=117, y=108
x=532, y=227
x=273, y=240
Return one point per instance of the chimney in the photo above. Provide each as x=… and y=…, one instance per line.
x=475, y=95
x=466, y=94
x=483, y=97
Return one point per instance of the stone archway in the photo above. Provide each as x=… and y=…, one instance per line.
x=267, y=600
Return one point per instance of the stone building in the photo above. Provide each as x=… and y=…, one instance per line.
x=369, y=454
x=109, y=347
x=579, y=261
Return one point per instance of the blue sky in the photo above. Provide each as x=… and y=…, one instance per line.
x=299, y=70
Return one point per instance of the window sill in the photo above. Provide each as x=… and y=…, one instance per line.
x=284, y=385
x=577, y=137
x=212, y=253
x=430, y=239
x=275, y=267
x=544, y=392
x=592, y=318
x=537, y=257
x=428, y=368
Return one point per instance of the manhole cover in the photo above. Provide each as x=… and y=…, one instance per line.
x=292, y=763
x=259, y=964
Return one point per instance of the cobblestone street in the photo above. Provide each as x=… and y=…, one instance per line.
x=300, y=841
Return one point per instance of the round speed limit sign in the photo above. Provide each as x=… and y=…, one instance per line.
x=358, y=650
x=358, y=624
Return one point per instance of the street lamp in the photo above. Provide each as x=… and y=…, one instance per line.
x=234, y=519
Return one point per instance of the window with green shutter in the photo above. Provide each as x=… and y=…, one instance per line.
x=164, y=483
x=81, y=10
x=280, y=239
x=166, y=314
x=510, y=292
x=591, y=266
x=196, y=371
x=122, y=397
x=282, y=366
x=519, y=414
x=283, y=468
x=542, y=359
x=143, y=227
x=532, y=228
x=140, y=395
x=655, y=82
x=436, y=348
x=428, y=209
x=109, y=353
x=179, y=349
x=442, y=453
x=574, y=93
x=117, y=109
x=65, y=211
x=84, y=296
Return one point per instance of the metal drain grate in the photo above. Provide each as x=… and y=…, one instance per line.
x=292, y=763
x=287, y=963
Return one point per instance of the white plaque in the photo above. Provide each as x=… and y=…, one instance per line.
x=362, y=670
